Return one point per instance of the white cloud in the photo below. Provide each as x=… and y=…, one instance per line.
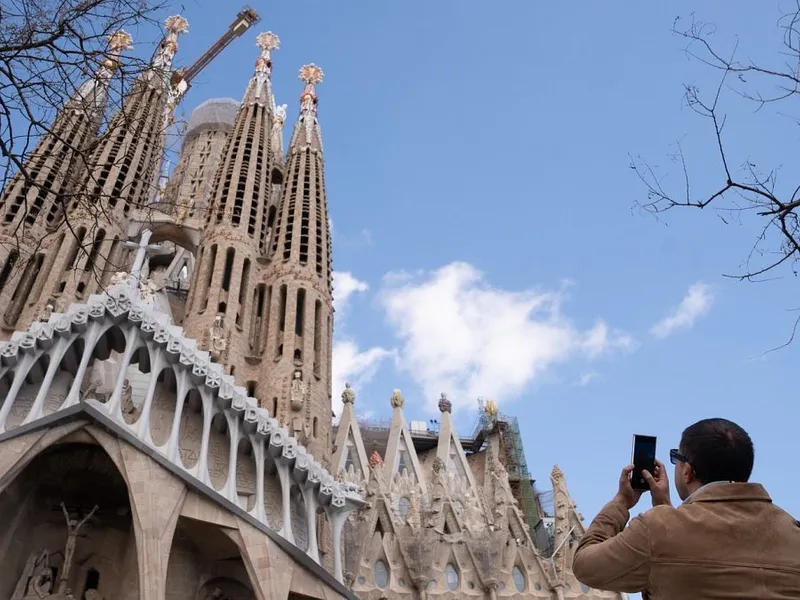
x=344, y=286
x=587, y=377
x=695, y=304
x=353, y=366
x=461, y=336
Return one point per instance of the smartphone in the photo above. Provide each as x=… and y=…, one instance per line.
x=643, y=458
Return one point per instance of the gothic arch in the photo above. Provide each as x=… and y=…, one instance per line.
x=78, y=472
x=202, y=558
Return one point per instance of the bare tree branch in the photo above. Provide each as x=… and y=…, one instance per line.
x=746, y=192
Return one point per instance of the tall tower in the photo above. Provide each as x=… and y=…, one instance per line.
x=188, y=192
x=31, y=205
x=297, y=380
x=120, y=176
x=219, y=311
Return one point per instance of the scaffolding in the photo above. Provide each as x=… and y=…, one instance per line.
x=512, y=456
x=517, y=467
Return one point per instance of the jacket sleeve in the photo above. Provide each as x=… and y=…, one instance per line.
x=611, y=556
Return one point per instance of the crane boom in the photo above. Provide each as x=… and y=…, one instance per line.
x=245, y=19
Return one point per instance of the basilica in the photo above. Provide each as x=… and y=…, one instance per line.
x=166, y=430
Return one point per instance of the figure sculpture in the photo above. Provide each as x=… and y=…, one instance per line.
x=42, y=580
x=298, y=392
x=73, y=528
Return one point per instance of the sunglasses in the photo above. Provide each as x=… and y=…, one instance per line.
x=676, y=457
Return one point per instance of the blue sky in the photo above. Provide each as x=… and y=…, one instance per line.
x=485, y=240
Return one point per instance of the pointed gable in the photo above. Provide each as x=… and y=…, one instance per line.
x=400, y=453
x=449, y=450
x=350, y=450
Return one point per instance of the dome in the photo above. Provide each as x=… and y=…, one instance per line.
x=215, y=113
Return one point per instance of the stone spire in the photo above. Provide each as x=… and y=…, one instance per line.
x=26, y=199
x=259, y=90
x=227, y=302
x=119, y=180
x=298, y=278
x=306, y=130
x=126, y=163
x=31, y=204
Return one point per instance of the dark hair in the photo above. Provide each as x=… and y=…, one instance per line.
x=718, y=450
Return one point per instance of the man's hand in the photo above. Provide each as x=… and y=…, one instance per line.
x=659, y=485
x=626, y=495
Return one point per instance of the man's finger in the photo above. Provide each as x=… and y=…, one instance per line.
x=648, y=477
x=626, y=473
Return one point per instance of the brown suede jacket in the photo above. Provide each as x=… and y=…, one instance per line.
x=729, y=541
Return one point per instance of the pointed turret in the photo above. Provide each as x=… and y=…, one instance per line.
x=226, y=295
x=34, y=190
x=119, y=174
x=296, y=309
x=350, y=458
x=31, y=204
x=126, y=162
x=449, y=449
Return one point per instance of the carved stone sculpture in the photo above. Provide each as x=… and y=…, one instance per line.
x=217, y=341
x=44, y=316
x=73, y=528
x=397, y=399
x=42, y=581
x=298, y=392
x=444, y=404
x=375, y=460
x=348, y=395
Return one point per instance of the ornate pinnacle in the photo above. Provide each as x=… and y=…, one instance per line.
x=268, y=41
x=311, y=74
x=119, y=41
x=397, y=399
x=444, y=404
x=348, y=395
x=176, y=24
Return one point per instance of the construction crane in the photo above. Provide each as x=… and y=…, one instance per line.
x=182, y=78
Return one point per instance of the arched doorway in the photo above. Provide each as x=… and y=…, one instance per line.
x=65, y=527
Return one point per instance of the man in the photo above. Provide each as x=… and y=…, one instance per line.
x=726, y=541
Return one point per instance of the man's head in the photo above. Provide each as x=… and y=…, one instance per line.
x=712, y=450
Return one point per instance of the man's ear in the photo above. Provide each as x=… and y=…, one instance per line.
x=688, y=473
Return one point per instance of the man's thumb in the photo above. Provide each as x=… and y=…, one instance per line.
x=648, y=477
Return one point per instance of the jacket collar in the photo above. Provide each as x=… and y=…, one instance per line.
x=719, y=491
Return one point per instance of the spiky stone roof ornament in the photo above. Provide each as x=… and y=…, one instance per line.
x=311, y=74
x=397, y=399
x=268, y=41
x=444, y=404
x=375, y=460
x=120, y=40
x=348, y=395
x=176, y=24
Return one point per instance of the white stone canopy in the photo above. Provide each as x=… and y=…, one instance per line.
x=44, y=374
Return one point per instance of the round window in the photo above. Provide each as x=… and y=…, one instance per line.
x=403, y=505
x=519, y=579
x=451, y=573
x=381, y=574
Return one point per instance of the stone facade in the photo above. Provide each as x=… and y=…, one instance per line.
x=165, y=390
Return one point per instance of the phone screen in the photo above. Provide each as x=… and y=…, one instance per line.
x=644, y=458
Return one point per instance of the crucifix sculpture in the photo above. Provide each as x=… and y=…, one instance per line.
x=143, y=249
x=73, y=527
